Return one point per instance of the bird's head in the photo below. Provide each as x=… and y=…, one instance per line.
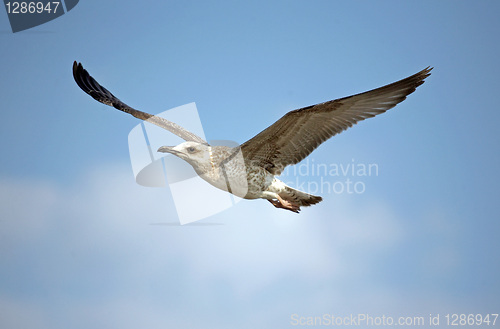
x=196, y=154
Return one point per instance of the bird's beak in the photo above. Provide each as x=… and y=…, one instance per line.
x=168, y=149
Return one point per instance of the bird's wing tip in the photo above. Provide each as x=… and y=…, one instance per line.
x=427, y=70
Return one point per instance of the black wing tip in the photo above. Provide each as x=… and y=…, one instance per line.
x=425, y=72
x=90, y=86
x=420, y=77
x=77, y=69
x=81, y=76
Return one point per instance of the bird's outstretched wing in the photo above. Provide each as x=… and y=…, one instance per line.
x=101, y=94
x=299, y=132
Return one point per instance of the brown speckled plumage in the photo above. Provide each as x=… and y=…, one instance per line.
x=249, y=171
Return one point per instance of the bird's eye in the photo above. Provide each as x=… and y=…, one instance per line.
x=190, y=149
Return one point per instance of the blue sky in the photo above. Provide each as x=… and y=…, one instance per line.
x=82, y=245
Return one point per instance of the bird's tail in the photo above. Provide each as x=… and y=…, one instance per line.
x=299, y=198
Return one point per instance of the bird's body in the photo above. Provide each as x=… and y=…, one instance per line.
x=228, y=169
x=249, y=171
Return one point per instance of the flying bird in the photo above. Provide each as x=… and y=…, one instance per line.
x=250, y=170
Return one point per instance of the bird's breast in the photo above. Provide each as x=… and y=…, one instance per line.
x=237, y=178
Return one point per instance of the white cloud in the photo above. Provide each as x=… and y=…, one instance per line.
x=105, y=249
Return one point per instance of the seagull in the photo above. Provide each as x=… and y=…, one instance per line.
x=250, y=170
